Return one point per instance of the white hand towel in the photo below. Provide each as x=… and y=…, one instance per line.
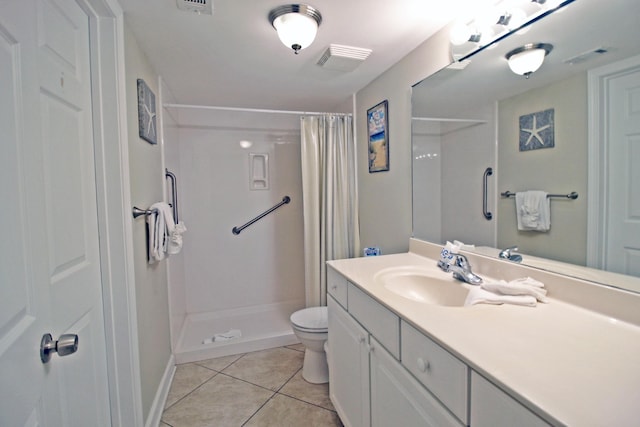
x=480, y=296
x=533, y=211
x=161, y=225
x=175, y=238
x=516, y=288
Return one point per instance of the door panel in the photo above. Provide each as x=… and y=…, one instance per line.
x=50, y=257
x=22, y=301
x=623, y=215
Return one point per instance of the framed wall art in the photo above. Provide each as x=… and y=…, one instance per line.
x=147, y=113
x=378, y=132
x=537, y=130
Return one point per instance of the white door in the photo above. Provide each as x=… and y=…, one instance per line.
x=623, y=213
x=49, y=256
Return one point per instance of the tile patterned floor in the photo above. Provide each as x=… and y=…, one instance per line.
x=263, y=388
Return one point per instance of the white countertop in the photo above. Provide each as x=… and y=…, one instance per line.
x=570, y=365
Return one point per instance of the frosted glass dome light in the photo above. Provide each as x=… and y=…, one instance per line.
x=527, y=59
x=296, y=24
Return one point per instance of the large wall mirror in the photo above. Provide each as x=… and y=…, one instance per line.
x=480, y=130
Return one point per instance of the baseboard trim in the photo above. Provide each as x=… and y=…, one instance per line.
x=155, y=413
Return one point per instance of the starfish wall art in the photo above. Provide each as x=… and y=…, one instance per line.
x=537, y=130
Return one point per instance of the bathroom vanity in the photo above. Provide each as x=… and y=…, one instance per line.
x=397, y=357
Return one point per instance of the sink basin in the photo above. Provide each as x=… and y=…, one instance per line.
x=423, y=285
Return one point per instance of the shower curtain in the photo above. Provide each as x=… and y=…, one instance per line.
x=329, y=194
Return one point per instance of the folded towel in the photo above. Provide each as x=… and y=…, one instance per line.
x=533, y=211
x=156, y=239
x=165, y=237
x=516, y=288
x=481, y=296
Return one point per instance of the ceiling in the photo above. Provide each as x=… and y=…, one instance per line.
x=234, y=58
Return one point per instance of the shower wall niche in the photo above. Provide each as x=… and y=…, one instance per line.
x=234, y=293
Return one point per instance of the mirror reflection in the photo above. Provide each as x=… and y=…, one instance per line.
x=572, y=126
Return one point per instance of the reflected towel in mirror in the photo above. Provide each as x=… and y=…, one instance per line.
x=533, y=211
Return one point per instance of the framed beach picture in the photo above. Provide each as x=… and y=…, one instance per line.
x=378, y=131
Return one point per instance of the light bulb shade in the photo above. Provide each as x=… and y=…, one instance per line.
x=295, y=29
x=528, y=58
x=296, y=24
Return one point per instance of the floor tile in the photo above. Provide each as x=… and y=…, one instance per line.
x=186, y=378
x=267, y=368
x=220, y=402
x=219, y=363
x=284, y=411
x=299, y=347
x=317, y=394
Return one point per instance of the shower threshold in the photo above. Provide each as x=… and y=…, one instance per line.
x=237, y=331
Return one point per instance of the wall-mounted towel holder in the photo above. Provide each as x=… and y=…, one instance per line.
x=139, y=212
x=573, y=195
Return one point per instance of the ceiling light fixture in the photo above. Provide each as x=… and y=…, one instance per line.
x=526, y=59
x=296, y=24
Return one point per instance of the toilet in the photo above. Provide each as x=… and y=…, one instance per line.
x=311, y=327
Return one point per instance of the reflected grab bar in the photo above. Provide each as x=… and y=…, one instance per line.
x=237, y=230
x=174, y=193
x=487, y=173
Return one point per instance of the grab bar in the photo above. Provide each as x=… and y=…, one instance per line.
x=487, y=173
x=573, y=195
x=237, y=230
x=174, y=193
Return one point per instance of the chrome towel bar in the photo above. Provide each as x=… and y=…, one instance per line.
x=573, y=195
x=237, y=230
x=139, y=212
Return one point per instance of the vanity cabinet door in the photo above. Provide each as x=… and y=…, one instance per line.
x=348, y=367
x=491, y=407
x=397, y=399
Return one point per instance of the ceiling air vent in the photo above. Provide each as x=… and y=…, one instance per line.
x=199, y=6
x=343, y=58
x=586, y=56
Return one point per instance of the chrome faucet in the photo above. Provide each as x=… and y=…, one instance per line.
x=461, y=269
x=506, y=254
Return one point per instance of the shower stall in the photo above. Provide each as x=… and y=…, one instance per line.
x=234, y=292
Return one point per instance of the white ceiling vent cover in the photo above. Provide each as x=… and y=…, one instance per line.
x=343, y=58
x=588, y=55
x=204, y=7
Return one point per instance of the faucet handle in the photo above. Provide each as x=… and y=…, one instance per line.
x=506, y=253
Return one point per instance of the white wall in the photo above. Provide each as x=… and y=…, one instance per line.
x=466, y=153
x=263, y=264
x=146, y=174
x=175, y=264
x=560, y=169
x=385, y=197
x=426, y=188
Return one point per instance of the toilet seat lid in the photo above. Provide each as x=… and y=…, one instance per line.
x=312, y=318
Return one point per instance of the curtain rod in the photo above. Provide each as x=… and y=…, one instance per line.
x=250, y=110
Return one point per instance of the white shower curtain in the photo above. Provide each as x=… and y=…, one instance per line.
x=329, y=193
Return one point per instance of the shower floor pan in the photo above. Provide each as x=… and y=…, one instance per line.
x=260, y=328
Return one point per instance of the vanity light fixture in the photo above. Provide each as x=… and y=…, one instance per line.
x=526, y=59
x=494, y=22
x=296, y=24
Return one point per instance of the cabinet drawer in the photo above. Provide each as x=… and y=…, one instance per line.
x=337, y=286
x=491, y=407
x=437, y=369
x=397, y=399
x=376, y=318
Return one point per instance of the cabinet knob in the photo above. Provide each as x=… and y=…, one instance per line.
x=423, y=365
